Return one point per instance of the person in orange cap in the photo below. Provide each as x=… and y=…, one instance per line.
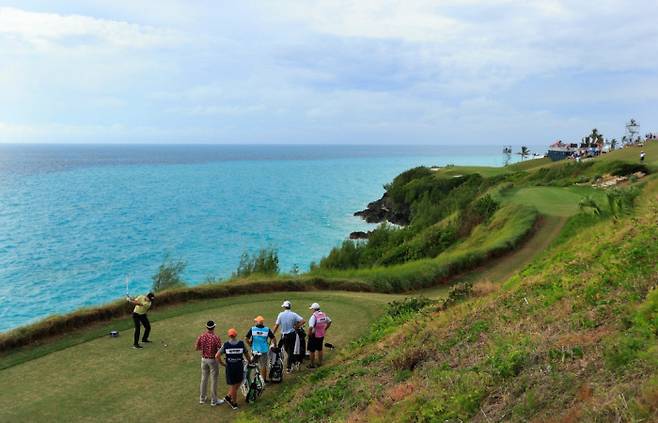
x=257, y=338
x=234, y=350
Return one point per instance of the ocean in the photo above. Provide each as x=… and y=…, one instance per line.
x=76, y=220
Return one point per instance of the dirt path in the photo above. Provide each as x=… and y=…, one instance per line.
x=504, y=267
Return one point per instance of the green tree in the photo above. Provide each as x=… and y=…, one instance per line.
x=169, y=274
x=595, y=139
x=264, y=262
x=525, y=152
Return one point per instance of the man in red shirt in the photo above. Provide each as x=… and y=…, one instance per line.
x=208, y=344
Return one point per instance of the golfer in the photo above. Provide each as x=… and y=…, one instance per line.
x=208, y=343
x=258, y=338
x=234, y=350
x=289, y=321
x=642, y=155
x=318, y=325
x=142, y=306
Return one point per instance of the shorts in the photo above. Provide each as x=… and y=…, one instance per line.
x=262, y=360
x=234, y=373
x=315, y=344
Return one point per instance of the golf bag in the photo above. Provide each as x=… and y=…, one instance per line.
x=253, y=384
x=299, y=353
x=276, y=365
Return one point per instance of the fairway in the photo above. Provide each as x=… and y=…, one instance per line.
x=554, y=201
x=106, y=380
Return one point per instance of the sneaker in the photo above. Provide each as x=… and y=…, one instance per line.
x=146, y=341
x=215, y=403
x=312, y=366
x=137, y=347
x=202, y=401
x=233, y=404
x=288, y=371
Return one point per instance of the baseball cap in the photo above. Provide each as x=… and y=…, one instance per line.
x=286, y=304
x=210, y=324
x=232, y=332
x=315, y=306
x=259, y=319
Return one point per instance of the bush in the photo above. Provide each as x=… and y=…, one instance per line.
x=169, y=275
x=621, y=200
x=506, y=229
x=408, y=305
x=619, y=168
x=265, y=262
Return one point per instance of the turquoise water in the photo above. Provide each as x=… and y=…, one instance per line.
x=74, y=221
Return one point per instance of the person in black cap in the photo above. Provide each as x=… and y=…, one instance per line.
x=142, y=305
x=208, y=343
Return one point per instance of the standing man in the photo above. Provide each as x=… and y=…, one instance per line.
x=642, y=154
x=233, y=349
x=208, y=343
x=289, y=321
x=142, y=305
x=258, y=339
x=318, y=325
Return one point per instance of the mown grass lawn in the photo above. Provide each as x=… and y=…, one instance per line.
x=554, y=201
x=105, y=380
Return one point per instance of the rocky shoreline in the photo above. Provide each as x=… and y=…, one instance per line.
x=379, y=211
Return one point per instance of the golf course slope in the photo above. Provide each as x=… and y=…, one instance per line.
x=106, y=380
x=573, y=337
x=522, y=293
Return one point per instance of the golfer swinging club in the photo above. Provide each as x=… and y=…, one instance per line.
x=142, y=305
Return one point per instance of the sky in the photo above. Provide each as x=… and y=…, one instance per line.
x=325, y=72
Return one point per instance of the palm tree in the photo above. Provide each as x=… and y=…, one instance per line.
x=595, y=139
x=525, y=152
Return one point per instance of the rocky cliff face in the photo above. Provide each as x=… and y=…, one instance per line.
x=383, y=210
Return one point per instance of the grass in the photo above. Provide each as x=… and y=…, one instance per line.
x=105, y=380
x=507, y=228
x=572, y=337
x=55, y=326
x=581, y=313
x=486, y=171
x=499, y=270
x=554, y=201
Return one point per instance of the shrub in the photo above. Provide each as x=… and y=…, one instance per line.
x=265, y=262
x=621, y=200
x=619, y=168
x=408, y=305
x=169, y=275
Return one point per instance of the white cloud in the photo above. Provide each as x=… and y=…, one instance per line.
x=47, y=28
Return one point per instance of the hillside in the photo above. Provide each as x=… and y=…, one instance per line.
x=543, y=307
x=573, y=337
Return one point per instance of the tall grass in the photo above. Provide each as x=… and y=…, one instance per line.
x=508, y=227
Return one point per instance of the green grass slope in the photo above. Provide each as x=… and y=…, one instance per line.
x=105, y=380
x=554, y=201
x=571, y=338
x=507, y=228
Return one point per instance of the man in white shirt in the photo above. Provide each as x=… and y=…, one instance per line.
x=289, y=322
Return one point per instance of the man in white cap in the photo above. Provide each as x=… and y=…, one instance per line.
x=318, y=325
x=289, y=321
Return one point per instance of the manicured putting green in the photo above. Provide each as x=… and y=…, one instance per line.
x=106, y=380
x=554, y=201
